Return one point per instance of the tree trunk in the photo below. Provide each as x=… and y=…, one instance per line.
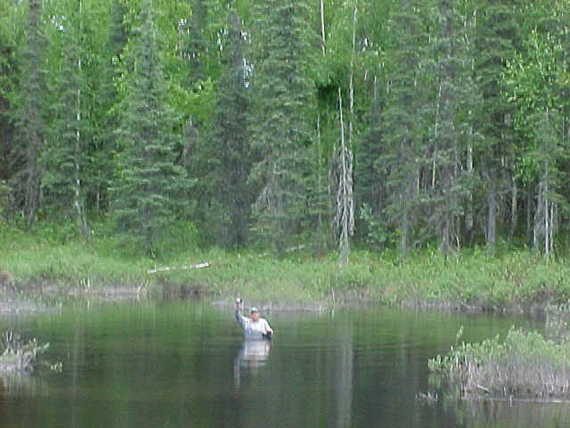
x=514, y=208
x=344, y=218
x=323, y=36
x=529, y=219
x=491, y=234
x=469, y=218
x=32, y=185
x=77, y=202
x=543, y=230
x=345, y=199
x=33, y=120
x=351, y=80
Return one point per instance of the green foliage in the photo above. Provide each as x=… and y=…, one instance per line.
x=283, y=97
x=229, y=156
x=55, y=253
x=457, y=110
x=152, y=184
x=403, y=122
x=29, y=110
x=4, y=199
x=524, y=364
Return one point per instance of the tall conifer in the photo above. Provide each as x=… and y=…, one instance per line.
x=150, y=182
x=8, y=72
x=29, y=115
x=496, y=39
x=230, y=149
x=454, y=95
x=402, y=118
x=283, y=96
x=65, y=156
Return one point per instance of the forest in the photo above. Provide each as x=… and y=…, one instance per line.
x=276, y=124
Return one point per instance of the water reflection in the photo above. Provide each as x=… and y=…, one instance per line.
x=21, y=385
x=522, y=414
x=252, y=355
x=178, y=364
x=556, y=324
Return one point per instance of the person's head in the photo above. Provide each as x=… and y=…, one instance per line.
x=254, y=314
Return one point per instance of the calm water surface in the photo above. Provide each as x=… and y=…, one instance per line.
x=183, y=364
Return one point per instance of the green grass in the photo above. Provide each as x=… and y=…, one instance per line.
x=53, y=255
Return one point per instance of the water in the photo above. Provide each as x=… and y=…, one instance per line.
x=184, y=364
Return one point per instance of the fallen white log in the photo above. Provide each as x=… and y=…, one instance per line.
x=169, y=268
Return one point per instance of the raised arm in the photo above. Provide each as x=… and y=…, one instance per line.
x=241, y=320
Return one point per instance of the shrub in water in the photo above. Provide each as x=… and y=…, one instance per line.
x=525, y=364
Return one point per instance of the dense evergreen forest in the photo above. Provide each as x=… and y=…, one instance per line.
x=388, y=123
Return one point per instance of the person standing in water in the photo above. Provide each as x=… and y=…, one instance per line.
x=253, y=327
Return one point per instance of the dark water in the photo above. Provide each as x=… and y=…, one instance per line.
x=181, y=364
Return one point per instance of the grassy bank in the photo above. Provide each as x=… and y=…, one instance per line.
x=469, y=278
x=523, y=365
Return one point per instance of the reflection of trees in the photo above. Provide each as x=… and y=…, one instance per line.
x=556, y=325
x=308, y=380
x=520, y=414
x=342, y=368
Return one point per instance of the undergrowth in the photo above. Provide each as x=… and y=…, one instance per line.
x=471, y=277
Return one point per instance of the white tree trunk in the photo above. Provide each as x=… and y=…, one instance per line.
x=344, y=218
x=323, y=37
x=77, y=203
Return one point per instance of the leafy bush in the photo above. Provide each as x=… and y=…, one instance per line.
x=524, y=364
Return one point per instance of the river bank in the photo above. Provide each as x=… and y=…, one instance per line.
x=108, y=268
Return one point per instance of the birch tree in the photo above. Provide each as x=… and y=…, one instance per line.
x=535, y=84
x=344, y=216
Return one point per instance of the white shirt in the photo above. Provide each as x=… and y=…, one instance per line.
x=253, y=329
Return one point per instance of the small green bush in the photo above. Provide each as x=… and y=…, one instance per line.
x=524, y=364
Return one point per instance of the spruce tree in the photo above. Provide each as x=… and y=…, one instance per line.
x=283, y=97
x=404, y=123
x=8, y=73
x=29, y=116
x=230, y=148
x=65, y=155
x=454, y=95
x=496, y=40
x=104, y=103
x=150, y=182
x=371, y=173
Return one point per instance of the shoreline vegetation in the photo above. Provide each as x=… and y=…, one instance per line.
x=39, y=263
x=524, y=365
